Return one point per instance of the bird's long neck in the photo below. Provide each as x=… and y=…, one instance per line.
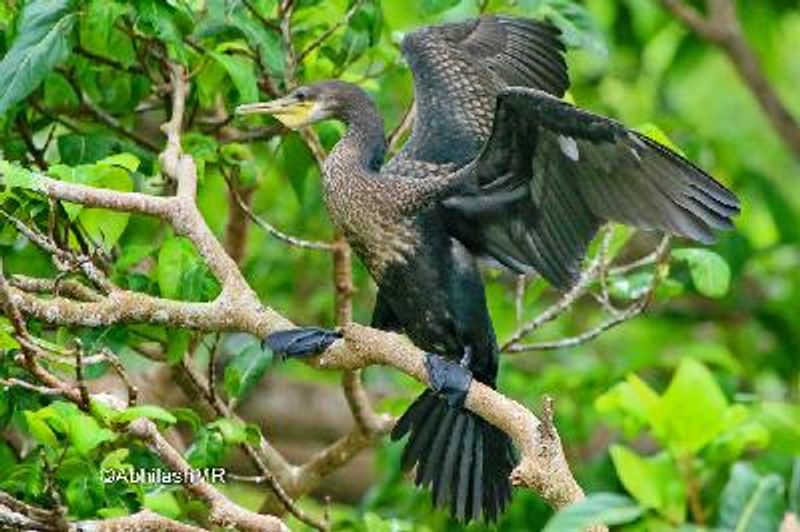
x=363, y=147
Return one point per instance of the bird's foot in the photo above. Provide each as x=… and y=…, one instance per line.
x=448, y=378
x=302, y=342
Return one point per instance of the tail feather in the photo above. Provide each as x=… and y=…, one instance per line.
x=444, y=484
x=431, y=464
x=423, y=430
x=465, y=460
x=465, y=472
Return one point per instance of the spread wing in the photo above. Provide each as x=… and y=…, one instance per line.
x=458, y=71
x=551, y=174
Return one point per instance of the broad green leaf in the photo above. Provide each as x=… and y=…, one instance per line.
x=245, y=370
x=132, y=254
x=710, y=273
x=79, y=494
x=631, y=286
x=8, y=456
x=102, y=226
x=750, y=502
x=596, y=509
x=7, y=341
x=177, y=345
x=632, y=398
x=433, y=7
x=653, y=481
x=128, y=161
x=159, y=19
x=13, y=176
x=97, y=30
x=86, y=434
x=234, y=431
x=102, y=411
x=75, y=149
x=692, y=410
x=242, y=72
x=176, y=258
x=115, y=459
x=188, y=416
x=40, y=430
x=42, y=43
x=164, y=503
x=207, y=450
x=148, y=411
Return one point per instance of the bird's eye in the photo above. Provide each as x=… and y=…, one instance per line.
x=301, y=95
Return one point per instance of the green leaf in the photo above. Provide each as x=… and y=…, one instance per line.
x=177, y=345
x=596, y=509
x=631, y=286
x=42, y=43
x=77, y=149
x=234, y=431
x=433, y=7
x=164, y=503
x=750, y=502
x=85, y=433
x=103, y=411
x=14, y=176
x=242, y=72
x=40, y=430
x=128, y=161
x=115, y=459
x=653, y=481
x=691, y=411
x=710, y=273
x=176, y=258
x=634, y=399
x=148, y=411
x=101, y=226
x=8, y=457
x=207, y=450
x=245, y=370
x=7, y=341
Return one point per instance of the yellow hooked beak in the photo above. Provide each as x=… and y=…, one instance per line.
x=293, y=113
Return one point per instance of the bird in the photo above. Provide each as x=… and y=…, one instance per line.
x=497, y=166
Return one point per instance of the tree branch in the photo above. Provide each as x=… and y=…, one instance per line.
x=721, y=27
x=543, y=466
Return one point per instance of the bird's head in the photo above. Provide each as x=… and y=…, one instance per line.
x=308, y=104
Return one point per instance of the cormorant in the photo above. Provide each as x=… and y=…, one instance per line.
x=497, y=166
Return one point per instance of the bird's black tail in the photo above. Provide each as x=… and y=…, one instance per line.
x=464, y=459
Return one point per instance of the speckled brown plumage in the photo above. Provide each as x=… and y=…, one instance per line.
x=496, y=166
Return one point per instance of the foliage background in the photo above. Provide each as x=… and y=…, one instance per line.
x=630, y=59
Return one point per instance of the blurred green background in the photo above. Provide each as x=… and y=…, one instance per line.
x=657, y=410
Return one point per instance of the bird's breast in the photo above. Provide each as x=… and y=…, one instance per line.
x=378, y=234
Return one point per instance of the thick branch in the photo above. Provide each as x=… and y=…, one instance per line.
x=543, y=466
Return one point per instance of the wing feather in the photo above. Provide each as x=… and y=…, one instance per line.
x=576, y=170
x=458, y=71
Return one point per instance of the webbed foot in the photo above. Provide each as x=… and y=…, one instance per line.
x=301, y=342
x=448, y=378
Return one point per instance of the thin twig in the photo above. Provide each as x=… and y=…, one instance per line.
x=275, y=232
x=316, y=43
x=405, y=125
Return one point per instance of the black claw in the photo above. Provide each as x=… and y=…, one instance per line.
x=448, y=378
x=302, y=342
